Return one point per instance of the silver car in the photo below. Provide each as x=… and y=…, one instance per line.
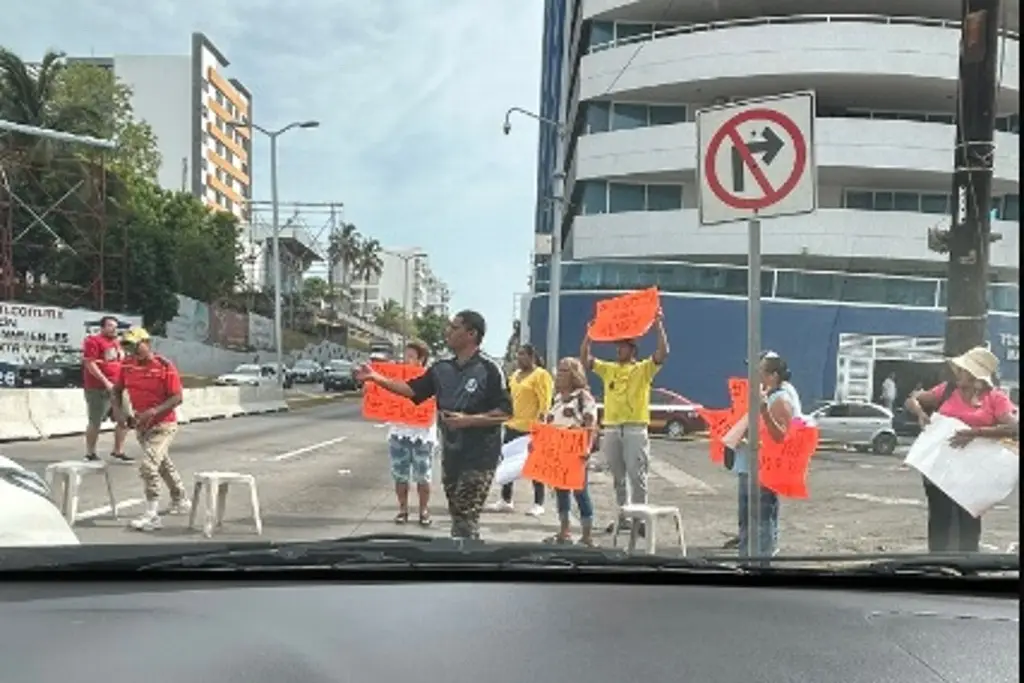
x=865, y=426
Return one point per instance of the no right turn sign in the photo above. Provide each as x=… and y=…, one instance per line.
x=755, y=159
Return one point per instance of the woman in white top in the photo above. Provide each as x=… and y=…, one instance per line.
x=574, y=406
x=412, y=453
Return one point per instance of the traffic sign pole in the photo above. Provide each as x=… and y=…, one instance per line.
x=753, y=384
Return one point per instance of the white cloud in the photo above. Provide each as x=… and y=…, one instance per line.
x=410, y=93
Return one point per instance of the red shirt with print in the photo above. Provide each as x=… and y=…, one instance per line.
x=149, y=383
x=106, y=351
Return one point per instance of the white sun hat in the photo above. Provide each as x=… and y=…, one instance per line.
x=979, y=363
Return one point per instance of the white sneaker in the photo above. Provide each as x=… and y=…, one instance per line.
x=180, y=507
x=499, y=506
x=147, y=522
x=535, y=510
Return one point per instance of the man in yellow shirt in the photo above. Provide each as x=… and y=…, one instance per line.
x=531, y=387
x=627, y=413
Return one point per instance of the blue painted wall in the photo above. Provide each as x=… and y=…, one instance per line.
x=709, y=338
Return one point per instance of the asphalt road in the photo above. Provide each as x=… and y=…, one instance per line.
x=323, y=472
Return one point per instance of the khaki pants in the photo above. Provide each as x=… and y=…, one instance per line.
x=156, y=462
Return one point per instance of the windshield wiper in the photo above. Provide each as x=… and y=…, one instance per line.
x=958, y=565
x=398, y=551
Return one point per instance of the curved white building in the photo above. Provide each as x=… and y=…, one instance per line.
x=859, y=269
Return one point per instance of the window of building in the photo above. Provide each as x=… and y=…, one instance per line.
x=623, y=197
x=935, y=203
x=664, y=197
x=629, y=116
x=598, y=117
x=667, y=114
x=598, y=197
x=781, y=284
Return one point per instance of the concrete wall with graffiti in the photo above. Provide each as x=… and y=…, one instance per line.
x=201, y=339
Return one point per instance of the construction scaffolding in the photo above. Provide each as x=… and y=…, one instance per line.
x=56, y=247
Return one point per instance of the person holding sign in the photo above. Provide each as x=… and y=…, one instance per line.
x=574, y=407
x=412, y=452
x=627, y=413
x=531, y=387
x=473, y=402
x=780, y=403
x=973, y=399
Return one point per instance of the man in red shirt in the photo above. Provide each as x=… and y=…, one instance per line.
x=101, y=366
x=154, y=390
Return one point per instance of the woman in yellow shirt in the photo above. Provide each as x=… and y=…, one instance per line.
x=531, y=387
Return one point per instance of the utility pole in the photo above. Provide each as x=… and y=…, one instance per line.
x=969, y=235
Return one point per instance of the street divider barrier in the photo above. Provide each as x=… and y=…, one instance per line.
x=28, y=414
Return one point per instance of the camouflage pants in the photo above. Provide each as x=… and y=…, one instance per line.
x=156, y=463
x=466, y=490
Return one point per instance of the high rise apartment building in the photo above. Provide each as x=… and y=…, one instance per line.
x=190, y=102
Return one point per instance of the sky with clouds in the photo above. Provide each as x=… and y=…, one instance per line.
x=411, y=95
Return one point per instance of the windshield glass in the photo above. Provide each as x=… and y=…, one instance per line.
x=502, y=252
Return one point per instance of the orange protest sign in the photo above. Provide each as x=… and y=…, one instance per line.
x=381, y=405
x=739, y=396
x=783, y=466
x=719, y=423
x=625, y=317
x=556, y=456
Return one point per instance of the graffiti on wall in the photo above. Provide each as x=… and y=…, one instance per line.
x=204, y=324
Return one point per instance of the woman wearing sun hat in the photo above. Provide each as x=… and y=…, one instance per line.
x=972, y=398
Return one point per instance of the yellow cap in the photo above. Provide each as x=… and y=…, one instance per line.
x=135, y=335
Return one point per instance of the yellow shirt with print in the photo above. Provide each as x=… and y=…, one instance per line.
x=531, y=397
x=627, y=391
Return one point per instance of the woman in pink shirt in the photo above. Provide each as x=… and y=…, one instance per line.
x=988, y=413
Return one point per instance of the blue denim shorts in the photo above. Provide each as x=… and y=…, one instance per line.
x=411, y=461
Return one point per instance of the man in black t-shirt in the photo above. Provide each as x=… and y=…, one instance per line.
x=472, y=402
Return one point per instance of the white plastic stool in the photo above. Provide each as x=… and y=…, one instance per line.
x=216, y=484
x=69, y=475
x=649, y=516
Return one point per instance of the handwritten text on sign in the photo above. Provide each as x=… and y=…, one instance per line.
x=557, y=456
x=625, y=317
x=782, y=466
x=383, y=406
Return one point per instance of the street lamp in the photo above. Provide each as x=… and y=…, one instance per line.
x=406, y=257
x=275, y=228
x=558, y=209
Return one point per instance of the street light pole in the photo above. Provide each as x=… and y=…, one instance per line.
x=275, y=246
x=275, y=236
x=557, y=200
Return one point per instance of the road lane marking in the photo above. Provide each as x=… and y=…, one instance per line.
x=306, y=449
x=105, y=510
x=680, y=479
x=884, y=500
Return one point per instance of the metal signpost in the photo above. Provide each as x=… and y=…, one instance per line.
x=755, y=160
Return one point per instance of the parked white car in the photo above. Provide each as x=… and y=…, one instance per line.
x=250, y=375
x=27, y=515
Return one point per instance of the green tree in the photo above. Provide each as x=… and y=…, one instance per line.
x=85, y=87
x=430, y=329
x=392, y=317
x=315, y=289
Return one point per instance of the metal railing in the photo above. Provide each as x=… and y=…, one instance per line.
x=780, y=20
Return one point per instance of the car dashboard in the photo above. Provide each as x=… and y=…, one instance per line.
x=306, y=632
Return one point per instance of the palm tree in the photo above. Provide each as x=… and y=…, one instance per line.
x=368, y=265
x=30, y=96
x=390, y=316
x=343, y=249
x=41, y=170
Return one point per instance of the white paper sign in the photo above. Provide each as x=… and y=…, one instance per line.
x=976, y=476
x=513, y=460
